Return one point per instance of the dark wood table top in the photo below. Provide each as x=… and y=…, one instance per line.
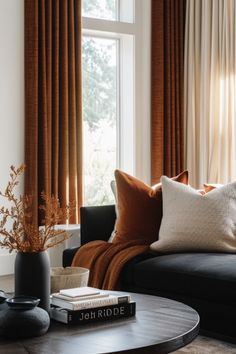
x=160, y=326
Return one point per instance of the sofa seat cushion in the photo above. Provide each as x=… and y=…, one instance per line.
x=199, y=275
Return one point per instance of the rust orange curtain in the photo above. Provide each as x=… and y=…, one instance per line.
x=167, y=60
x=53, y=118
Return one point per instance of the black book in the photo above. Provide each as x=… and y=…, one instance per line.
x=109, y=312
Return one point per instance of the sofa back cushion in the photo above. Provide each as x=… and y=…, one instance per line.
x=96, y=222
x=195, y=222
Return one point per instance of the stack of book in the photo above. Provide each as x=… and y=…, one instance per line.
x=85, y=304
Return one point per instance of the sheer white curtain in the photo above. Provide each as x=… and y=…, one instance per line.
x=210, y=91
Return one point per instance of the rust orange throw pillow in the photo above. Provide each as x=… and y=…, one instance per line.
x=139, y=208
x=209, y=187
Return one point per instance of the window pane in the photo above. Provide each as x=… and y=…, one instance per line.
x=99, y=114
x=103, y=9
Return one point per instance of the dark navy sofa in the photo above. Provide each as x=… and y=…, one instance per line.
x=205, y=281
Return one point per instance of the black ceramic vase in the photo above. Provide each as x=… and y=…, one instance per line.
x=32, y=276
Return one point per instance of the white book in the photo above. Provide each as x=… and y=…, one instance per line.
x=81, y=298
x=90, y=303
x=82, y=291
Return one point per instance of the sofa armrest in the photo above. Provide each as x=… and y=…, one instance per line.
x=68, y=255
x=96, y=222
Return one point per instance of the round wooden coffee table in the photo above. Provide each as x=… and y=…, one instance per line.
x=160, y=326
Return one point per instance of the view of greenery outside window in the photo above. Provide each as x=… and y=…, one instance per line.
x=103, y=9
x=99, y=59
x=108, y=59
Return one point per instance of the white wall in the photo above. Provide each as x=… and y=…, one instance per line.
x=11, y=98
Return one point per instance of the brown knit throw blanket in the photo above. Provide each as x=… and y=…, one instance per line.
x=106, y=260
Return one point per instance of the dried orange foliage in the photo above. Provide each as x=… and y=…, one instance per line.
x=17, y=232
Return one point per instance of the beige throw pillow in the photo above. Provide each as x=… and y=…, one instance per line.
x=195, y=222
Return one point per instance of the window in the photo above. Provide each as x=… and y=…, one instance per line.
x=100, y=116
x=101, y=9
x=115, y=50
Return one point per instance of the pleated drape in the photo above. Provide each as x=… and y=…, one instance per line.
x=53, y=112
x=167, y=79
x=210, y=91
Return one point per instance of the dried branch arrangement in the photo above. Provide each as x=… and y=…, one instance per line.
x=17, y=232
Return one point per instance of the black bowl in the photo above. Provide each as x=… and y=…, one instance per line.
x=22, y=302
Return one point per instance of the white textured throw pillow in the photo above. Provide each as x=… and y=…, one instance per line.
x=195, y=222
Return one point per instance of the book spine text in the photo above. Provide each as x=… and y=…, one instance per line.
x=94, y=314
